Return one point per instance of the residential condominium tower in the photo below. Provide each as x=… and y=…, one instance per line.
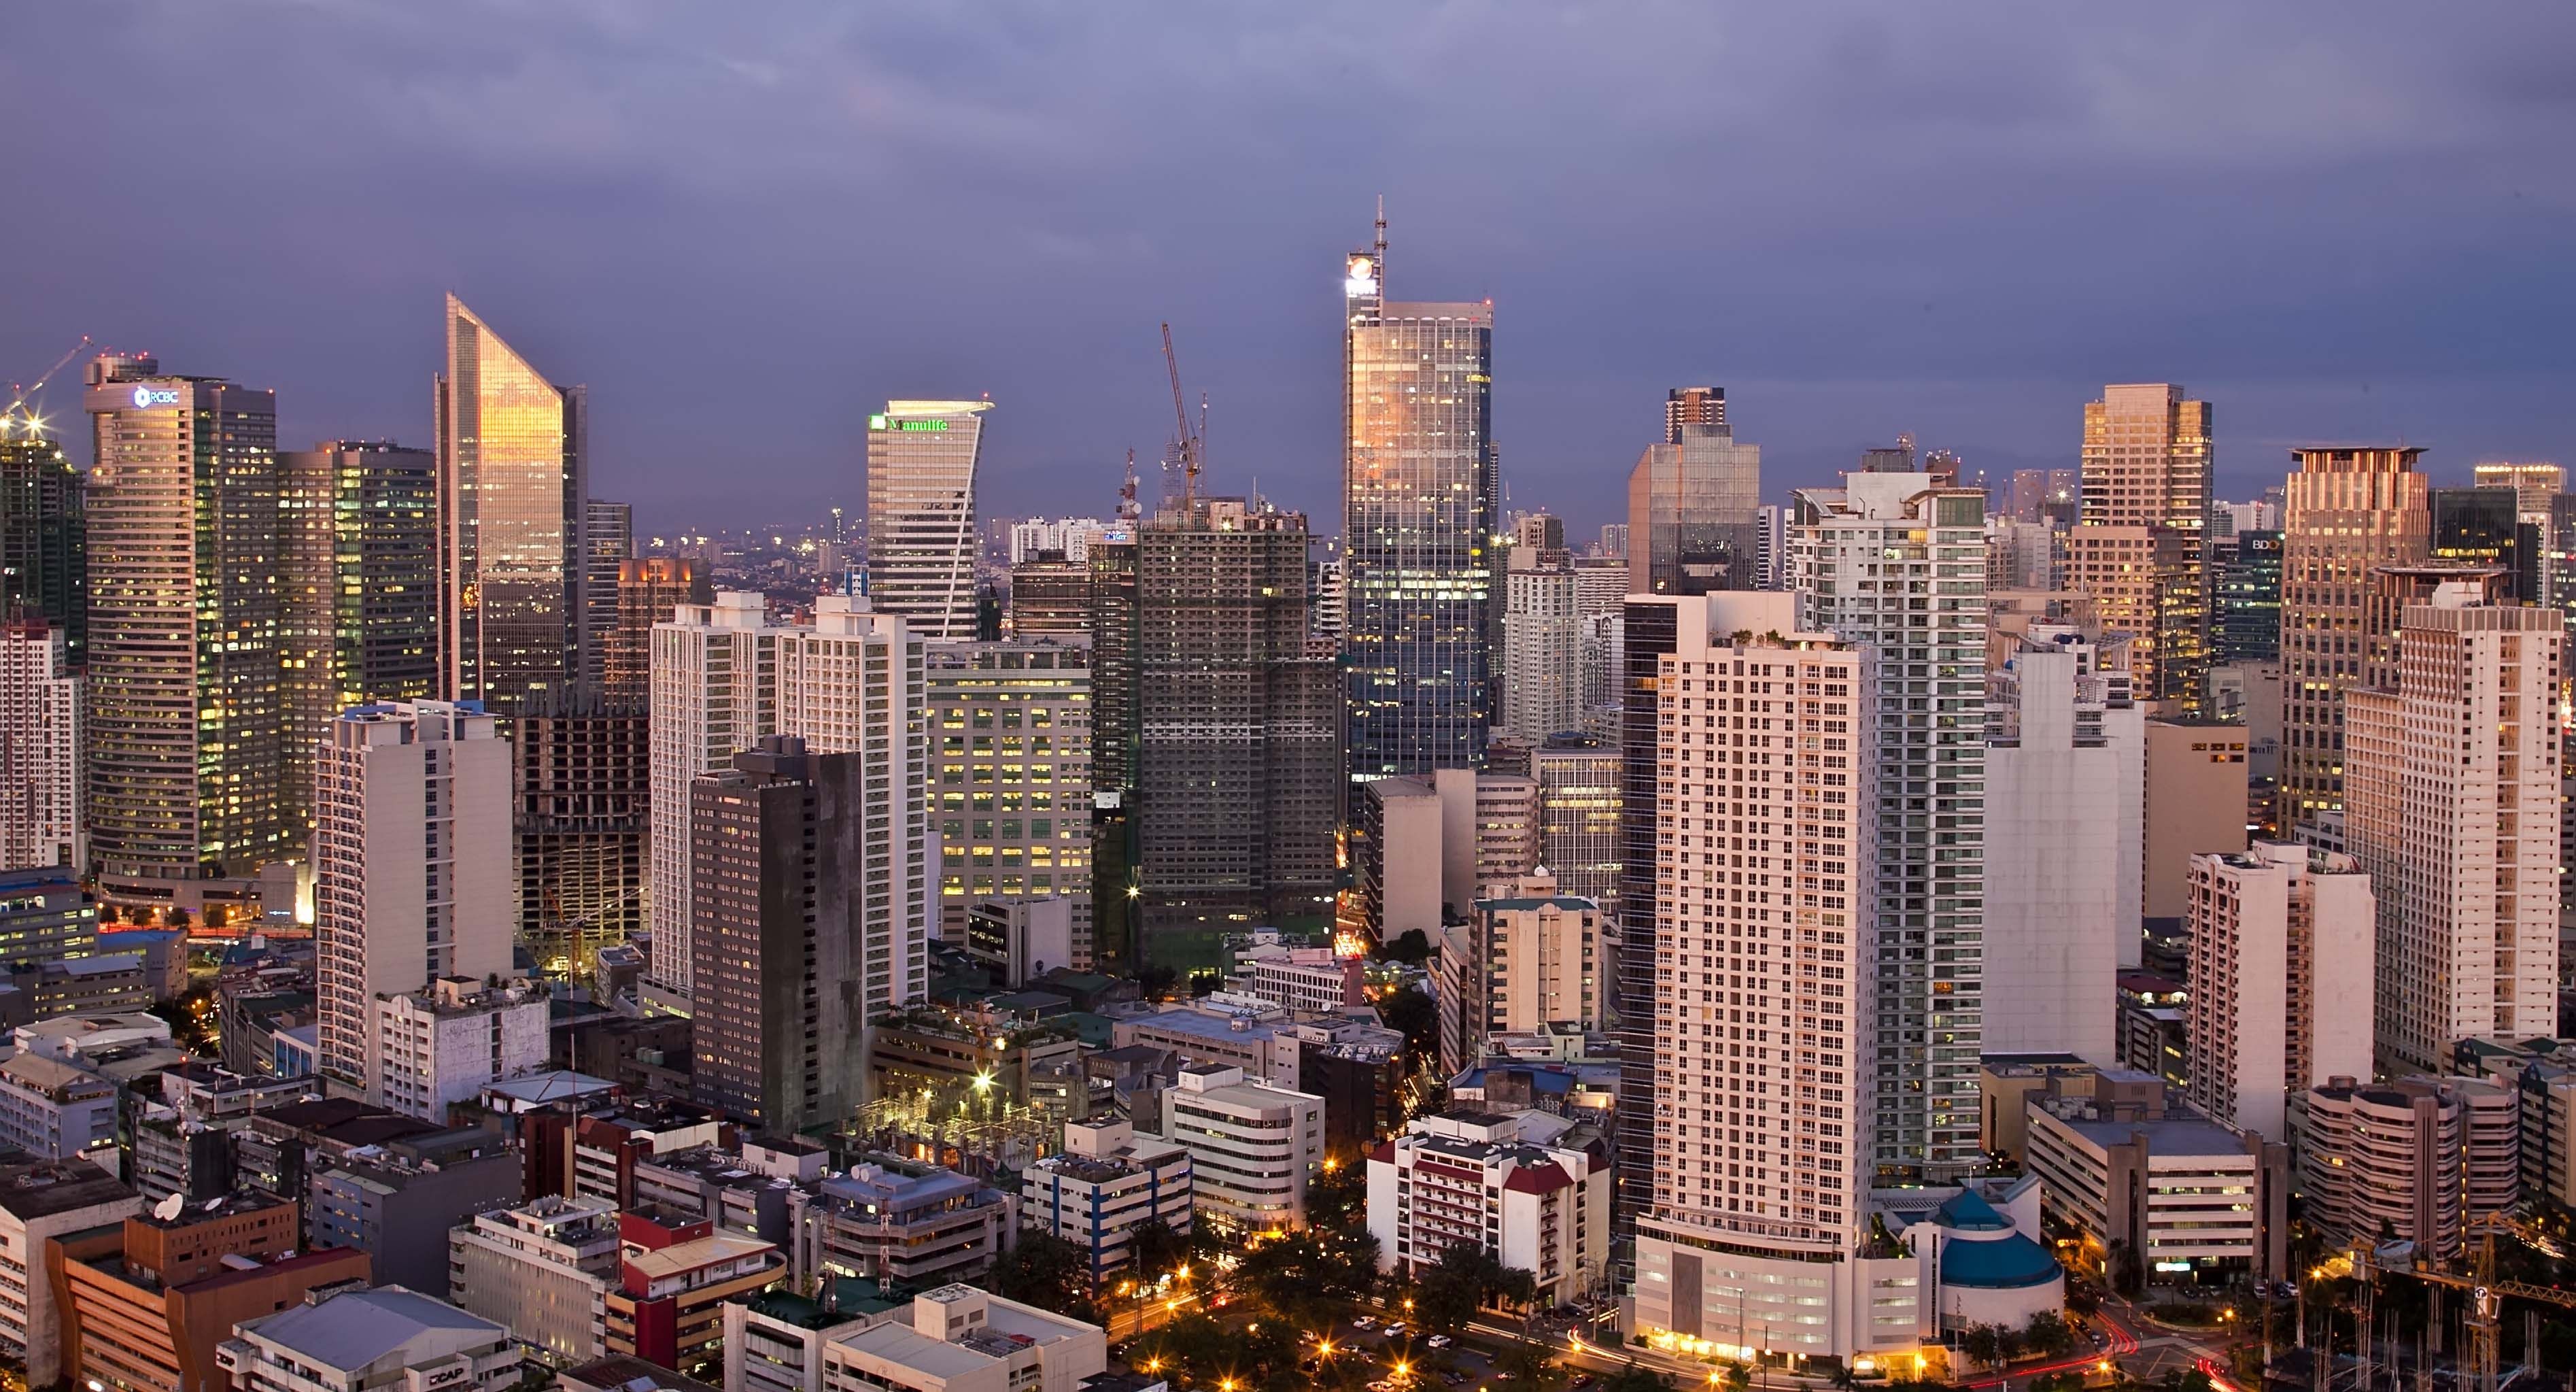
x=40, y=749
x=187, y=717
x=513, y=476
x=921, y=513
x=714, y=693
x=1894, y=563
x=2350, y=510
x=1420, y=510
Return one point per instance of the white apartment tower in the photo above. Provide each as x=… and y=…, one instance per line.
x=1897, y=564
x=714, y=693
x=40, y=749
x=413, y=877
x=921, y=513
x=2065, y=835
x=1763, y=1001
x=1542, y=650
x=2451, y=802
x=2281, y=955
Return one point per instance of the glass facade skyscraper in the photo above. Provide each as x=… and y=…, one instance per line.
x=44, y=537
x=1694, y=503
x=921, y=514
x=2249, y=597
x=513, y=589
x=1420, y=508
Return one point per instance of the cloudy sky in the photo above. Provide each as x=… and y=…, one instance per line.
x=741, y=224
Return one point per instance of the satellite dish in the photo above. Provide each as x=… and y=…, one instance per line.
x=168, y=1208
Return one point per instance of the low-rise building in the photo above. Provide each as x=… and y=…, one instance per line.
x=961, y=1339
x=773, y=1341
x=398, y=1201
x=899, y=1220
x=2147, y=1180
x=1495, y=1181
x=181, y=1127
x=2543, y=1071
x=1357, y=1065
x=2419, y=1158
x=1299, y=978
x=100, y=981
x=2005, y=1085
x=440, y=1046
x=746, y=1191
x=55, y=1110
x=672, y=1283
x=1105, y=1182
x=1252, y=1147
x=544, y=1269
x=357, y=1339
x=996, y=1053
x=39, y=1201
x=1251, y=1035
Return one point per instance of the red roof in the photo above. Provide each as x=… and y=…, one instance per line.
x=1538, y=1179
x=1384, y=1154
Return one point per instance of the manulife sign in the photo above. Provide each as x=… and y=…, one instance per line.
x=885, y=423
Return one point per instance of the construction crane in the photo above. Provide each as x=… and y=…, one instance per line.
x=1186, y=439
x=18, y=417
x=2485, y=1315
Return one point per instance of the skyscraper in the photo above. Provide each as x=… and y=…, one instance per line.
x=44, y=535
x=1578, y=798
x=1542, y=686
x=583, y=766
x=2348, y=511
x=921, y=514
x=1760, y=1103
x=2483, y=526
x=782, y=848
x=2249, y=598
x=1694, y=503
x=2451, y=798
x=714, y=687
x=649, y=590
x=412, y=863
x=1895, y=564
x=1420, y=511
x=2140, y=549
x=40, y=749
x=2534, y=484
x=358, y=533
x=513, y=474
x=1010, y=771
x=187, y=708
x=608, y=542
x=2282, y=946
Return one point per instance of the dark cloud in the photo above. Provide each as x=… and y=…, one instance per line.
x=741, y=224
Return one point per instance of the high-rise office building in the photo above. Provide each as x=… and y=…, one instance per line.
x=779, y=929
x=1010, y=771
x=412, y=875
x=44, y=534
x=358, y=538
x=584, y=783
x=608, y=542
x=921, y=514
x=40, y=749
x=2534, y=484
x=649, y=591
x=1542, y=686
x=2483, y=526
x=1237, y=760
x=2139, y=550
x=1694, y=501
x=1050, y=597
x=513, y=473
x=2451, y=797
x=187, y=794
x=1116, y=735
x=2349, y=510
x=1895, y=564
x=2282, y=942
x=714, y=687
x=1420, y=510
x=1760, y=1104
x=2248, y=588
x=1578, y=803
x=2146, y=458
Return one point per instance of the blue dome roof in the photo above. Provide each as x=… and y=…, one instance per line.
x=2012, y=1262
x=1968, y=1211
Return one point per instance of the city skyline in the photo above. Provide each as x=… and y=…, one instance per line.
x=2275, y=226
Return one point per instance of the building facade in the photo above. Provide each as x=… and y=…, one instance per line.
x=921, y=513
x=1102, y=1186
x=1542, y=676
x=1694, y=503
x=42, y=748
x=544, y=1269
x=2283, y=942
x=44, y=534
x=2348, y=512
x=650, y=590
x=442, y=1045
x=358, y=540
x=2417, y=1159
x=1474, y=1179
x=583, y=767
x=1011, y=768
x=1253, y=1147
x=714, y=679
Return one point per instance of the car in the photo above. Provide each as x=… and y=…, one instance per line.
x=1363, y=1322
x=1440, y=1341
x=1394, y=1329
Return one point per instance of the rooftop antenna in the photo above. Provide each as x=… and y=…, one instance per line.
x=1381, y=240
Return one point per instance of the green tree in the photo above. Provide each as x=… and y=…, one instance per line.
x=1737, y=1377
x=1635, y=1379
x=1337, y=1197
x=1409, y=947
x=1529, y=1365
x=1154, y=1249
x=1046, y=1271
x=1417, y=1016
x=2048, y=1334
x=2128, y=1276
x=1980, y=1343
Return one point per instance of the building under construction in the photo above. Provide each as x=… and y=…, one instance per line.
x=584, y=780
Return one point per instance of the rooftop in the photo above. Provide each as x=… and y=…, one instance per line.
x=43, y=1188
x=621, y=1372
x=348, y=1329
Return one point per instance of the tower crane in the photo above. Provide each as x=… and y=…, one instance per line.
x=1187, y=440
x=2485, y=1315
x=18, y=417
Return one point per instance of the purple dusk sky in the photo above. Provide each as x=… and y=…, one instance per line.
x=743, y=224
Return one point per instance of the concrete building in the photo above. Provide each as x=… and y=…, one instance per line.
x=1011, y=768
x=2065, y=826
x=514, y=614
x=2005, y=1085
x=1069, y=537
x=1104, y=1183
x=1578, y=800
x=773, y=1341
x=779, y=928
x=1301, y=980
x=1867, y=555
x=886, y=1218
x=583, y=770
x=2452, y=803
x=2422, y=1158
x=1536, y=958
x=186, y=721
x=146, y=1302
x=2195, y=805
x=2188, y=1200
x=1021, y=940
x=1396, y=868
x=2543, y=1071
x=1494, y=1181
x=56, y=1111
x=42, y=820
x=1253, y=1147
x=672, y=1282
x=398, y=1200
x=41, y=1200
x=650, y=590
x=960, y=1339
x=1542, y=680
x=921, y=513
x=1421, y=504
x=1693, y=499
x=412, y=863
x=2349, y=510
x=45, y=915
x=2282, y=946
x=714, y=684
x=437, y=1047
x=359, y=549
x=355, y=1340
x=2140, y=548
x=544, y=1269
x=1763, y=997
